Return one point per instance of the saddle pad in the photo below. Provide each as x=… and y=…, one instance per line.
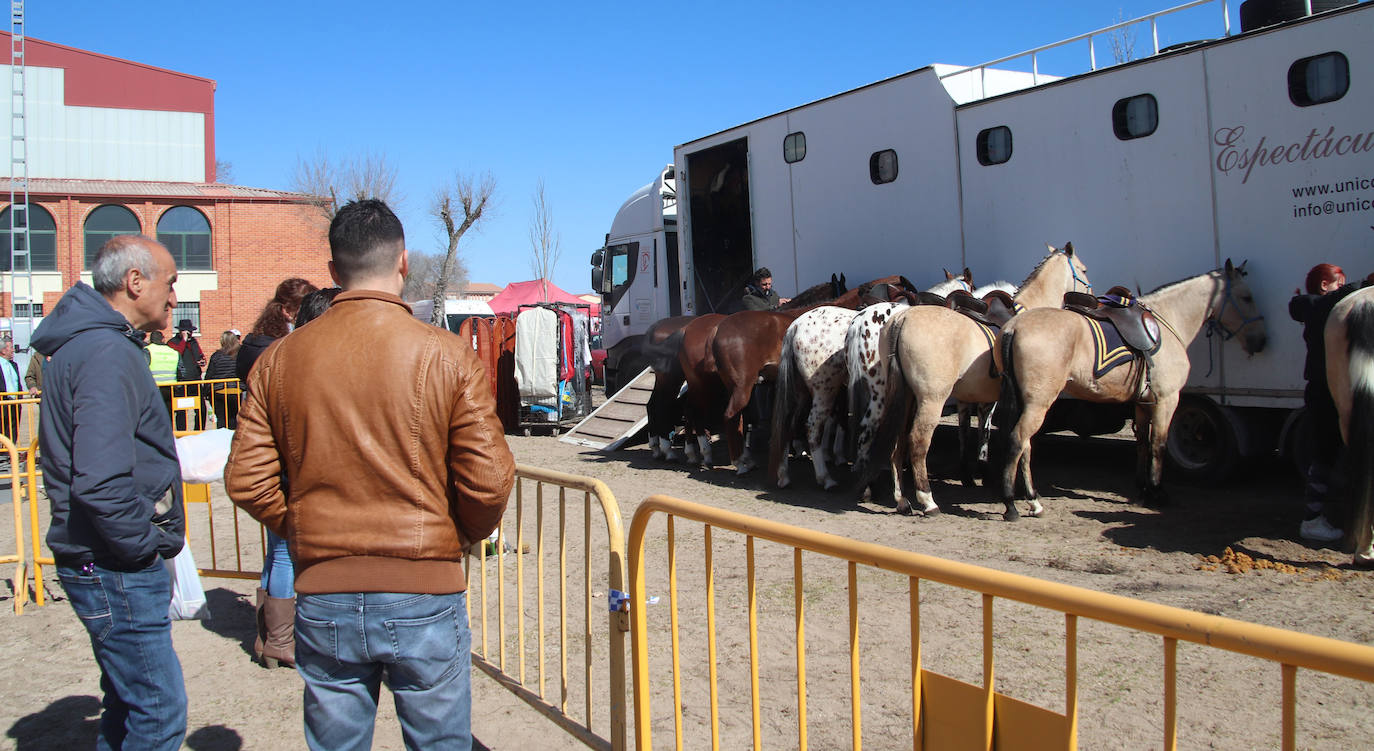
x=1109, y=351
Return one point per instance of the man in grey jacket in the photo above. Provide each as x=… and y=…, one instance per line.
x=111, y=472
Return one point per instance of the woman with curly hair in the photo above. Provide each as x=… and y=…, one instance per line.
x=276, y=597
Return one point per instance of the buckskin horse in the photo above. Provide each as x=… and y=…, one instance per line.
x=812, y=375
x=1350, y=376
x=937, y=353
x=1046, y=351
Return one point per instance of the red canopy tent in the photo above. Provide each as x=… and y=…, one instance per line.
x=522, y=293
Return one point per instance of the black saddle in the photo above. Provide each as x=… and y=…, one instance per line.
x=1137, y=325
x=930, y=298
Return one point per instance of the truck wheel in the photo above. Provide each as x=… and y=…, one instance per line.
x=1204, y=441
x=1296, y=440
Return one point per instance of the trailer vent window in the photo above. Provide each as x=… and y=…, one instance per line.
x=882, y=167
x=1135, y=117
x=794, y=147
x=1319, y=79
x=994, y=145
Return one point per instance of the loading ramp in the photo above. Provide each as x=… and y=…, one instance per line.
x=618, y=419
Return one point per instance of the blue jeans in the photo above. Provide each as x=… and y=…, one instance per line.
x=278, y=574
x=347, y=644
x=126, y=616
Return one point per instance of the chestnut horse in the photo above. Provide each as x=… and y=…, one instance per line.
x=1350, y=376
x=937, y=353
x=1046, y=351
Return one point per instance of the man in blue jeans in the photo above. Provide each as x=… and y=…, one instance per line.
x=111, y=472
x=393, y=472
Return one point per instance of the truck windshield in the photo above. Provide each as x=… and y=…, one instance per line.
x=620, y=263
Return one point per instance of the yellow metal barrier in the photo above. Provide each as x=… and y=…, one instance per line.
x=945, y=712
x=487, y=589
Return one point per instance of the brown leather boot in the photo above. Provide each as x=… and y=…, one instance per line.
x=279, y=648
x=260, y=599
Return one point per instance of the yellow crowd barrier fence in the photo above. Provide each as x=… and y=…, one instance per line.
x=944, y=713
x=547, y=570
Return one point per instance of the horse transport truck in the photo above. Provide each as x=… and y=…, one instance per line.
x=1255, y=145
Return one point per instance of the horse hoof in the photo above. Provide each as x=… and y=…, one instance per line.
x=783, y=482
x=1154, y=498
x=1011, y=515
x=932, y=511
x=1036, y=510
x=968, y=480
x=829, y=483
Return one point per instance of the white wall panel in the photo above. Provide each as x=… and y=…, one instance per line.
x=102, y=143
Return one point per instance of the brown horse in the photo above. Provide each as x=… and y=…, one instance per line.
x=1350, y=376
x=937, y=353
x=1046, y=351
x=663, y=409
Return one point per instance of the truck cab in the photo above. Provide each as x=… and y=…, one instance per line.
x=637, y=273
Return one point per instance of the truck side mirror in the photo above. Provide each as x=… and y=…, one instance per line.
x=597, y=256
x=596, y=279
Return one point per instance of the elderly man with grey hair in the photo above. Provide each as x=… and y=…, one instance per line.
x=111, y=472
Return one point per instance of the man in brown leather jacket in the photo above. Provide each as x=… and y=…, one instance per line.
x=392, y=473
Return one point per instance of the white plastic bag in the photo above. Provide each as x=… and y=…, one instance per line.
x=204, y=455
x=188, y=598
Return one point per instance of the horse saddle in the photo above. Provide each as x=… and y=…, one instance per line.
x=930, y=298
x=1135, y=323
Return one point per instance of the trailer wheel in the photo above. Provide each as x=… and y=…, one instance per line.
x=1204, y=441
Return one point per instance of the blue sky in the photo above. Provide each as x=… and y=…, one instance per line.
x=591, y=97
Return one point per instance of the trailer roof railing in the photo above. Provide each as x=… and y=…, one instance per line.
x=1034, y=54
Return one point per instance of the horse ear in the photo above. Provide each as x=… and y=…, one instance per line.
x=968, y=276
x=1052, y=249
x=1068, y=249
x=834, y=280
x=948, y=276
x=842, y=281
x=1230, y=270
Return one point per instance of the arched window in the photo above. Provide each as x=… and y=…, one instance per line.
x=104, y=223
x=42, y=237
x=186, y=233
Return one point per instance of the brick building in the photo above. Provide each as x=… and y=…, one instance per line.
x=114, y=147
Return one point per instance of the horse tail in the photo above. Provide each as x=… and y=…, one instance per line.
x=858, y=392
x=1360, y=421
x=896, y=407
x=1009, y=407
x=785, y=401
x=662, y=356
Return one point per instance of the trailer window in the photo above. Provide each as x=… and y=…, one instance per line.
x=1135, y=117
x=1319, y=79
x=994, y=145
x=620, y=262
x=794, y=147
x=882, y=167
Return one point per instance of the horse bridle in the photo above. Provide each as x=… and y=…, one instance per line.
x=1077, y=280
x=1229, y=298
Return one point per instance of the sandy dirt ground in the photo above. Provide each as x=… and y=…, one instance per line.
x=1091, y=536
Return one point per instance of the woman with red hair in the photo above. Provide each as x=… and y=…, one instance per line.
x=1326, y=286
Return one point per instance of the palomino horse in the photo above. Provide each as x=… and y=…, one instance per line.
x=812, y=373
x=1046, y=351
x=1350, y=376
x=938, y=353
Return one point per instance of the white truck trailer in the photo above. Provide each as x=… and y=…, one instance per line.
x=1257, y=145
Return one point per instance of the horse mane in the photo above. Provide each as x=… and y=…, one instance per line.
x=1038, y=266
x=950, y=285
x=997, y=286
x=815, y=294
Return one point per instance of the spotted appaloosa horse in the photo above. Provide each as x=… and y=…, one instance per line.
x=812, y=376
x=938, y=353
x=1350, y=376
x=1046, y=351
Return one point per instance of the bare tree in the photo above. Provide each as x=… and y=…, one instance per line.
x=224, y=172
x=459, y=207
x=336, y=183
x=1122, y=40
x=545, y=244
x=424, y=275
